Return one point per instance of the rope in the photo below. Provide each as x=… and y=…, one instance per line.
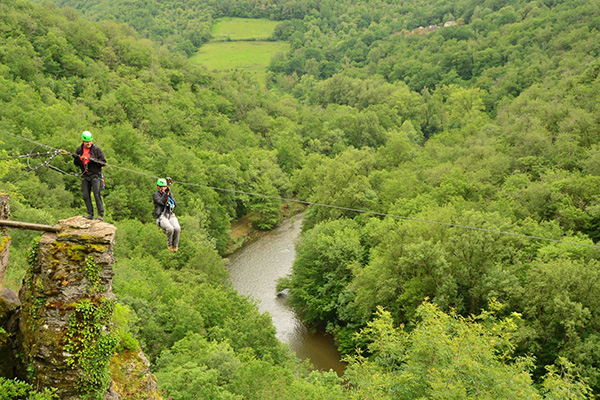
x=29, y=140
x=62, y=172
x=31, y=169
x=309, y=203
x=27, y=155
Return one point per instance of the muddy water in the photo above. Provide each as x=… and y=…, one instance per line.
x=254, y=270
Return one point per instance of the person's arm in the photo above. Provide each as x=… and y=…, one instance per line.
x=160, y=199
x=97, y=156
x=159, y=203
x=76, y=157
x=100, y=159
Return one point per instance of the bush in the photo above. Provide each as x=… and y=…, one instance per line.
x=17, y=390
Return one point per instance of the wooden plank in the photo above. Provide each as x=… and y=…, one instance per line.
x=30, y=226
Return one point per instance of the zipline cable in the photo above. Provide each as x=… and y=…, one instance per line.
x=62, y=172
x=29, y=140
x=27, y=155
x=309, y=203
x=357, y=210
x=31, y=169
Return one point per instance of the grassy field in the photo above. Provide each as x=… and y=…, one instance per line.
x=251, y=56
x=245, y=47
x=243, y=29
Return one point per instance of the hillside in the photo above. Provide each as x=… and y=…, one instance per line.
x=184, y=26
x=475, y=145
x=152, y=112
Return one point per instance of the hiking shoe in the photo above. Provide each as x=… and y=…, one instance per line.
x=100, y=218
x=170, y=248
x=175, y=249
x=89, y=217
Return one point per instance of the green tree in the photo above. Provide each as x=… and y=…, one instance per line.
x=446, y=357
x=267, y=209
x=322, y=269
x=342, y=182
x=563, y=310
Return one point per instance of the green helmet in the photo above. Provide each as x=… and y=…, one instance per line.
x=86, y=136
x=161, y=182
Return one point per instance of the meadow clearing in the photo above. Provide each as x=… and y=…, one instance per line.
x=239, y=43
x=226, y=29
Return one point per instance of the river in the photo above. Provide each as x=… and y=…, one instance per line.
x=254, y=270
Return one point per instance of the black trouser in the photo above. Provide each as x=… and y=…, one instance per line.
x=92, y=183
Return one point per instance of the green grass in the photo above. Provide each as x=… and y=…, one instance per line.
x=239, y=43
x=243, y=29
x=251, y=56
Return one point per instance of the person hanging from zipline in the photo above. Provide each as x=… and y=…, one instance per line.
x=164, y=204
x=91, y=160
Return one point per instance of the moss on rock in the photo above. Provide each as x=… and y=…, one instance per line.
x=4, y=240
x=132, y=379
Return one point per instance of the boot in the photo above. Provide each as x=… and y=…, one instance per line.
x=170, y=248
x=175, y=249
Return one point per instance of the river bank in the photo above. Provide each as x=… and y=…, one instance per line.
x=244, y=232
x=254, y=269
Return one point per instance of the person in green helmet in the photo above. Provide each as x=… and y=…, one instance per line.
x=91, y=160
x=164, y=206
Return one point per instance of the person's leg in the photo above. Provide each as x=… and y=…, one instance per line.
x=85, y=192
x=176, y=230
x=166, y=225
x=96, y=185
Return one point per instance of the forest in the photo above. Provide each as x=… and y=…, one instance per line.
x=492, y=124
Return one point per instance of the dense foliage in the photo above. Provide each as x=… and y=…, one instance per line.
x=489, y=40
x=183, y=26
x=523, y=160
x=153, y=113
x=493, y=124
x=18, y=390
x=449, y=357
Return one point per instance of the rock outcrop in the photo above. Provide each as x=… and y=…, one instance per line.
x=4, y=238
x=67, y=303
x=9, y=301
x=132, y=378
x=60, y=323
x=9, y=307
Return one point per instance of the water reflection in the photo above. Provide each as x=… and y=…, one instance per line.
x=254, y=271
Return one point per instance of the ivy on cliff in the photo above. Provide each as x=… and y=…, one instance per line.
x=91, y=344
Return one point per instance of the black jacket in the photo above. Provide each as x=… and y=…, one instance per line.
x=93, y=167
x=160, y=203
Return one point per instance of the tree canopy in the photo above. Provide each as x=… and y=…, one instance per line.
x=491, y=123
